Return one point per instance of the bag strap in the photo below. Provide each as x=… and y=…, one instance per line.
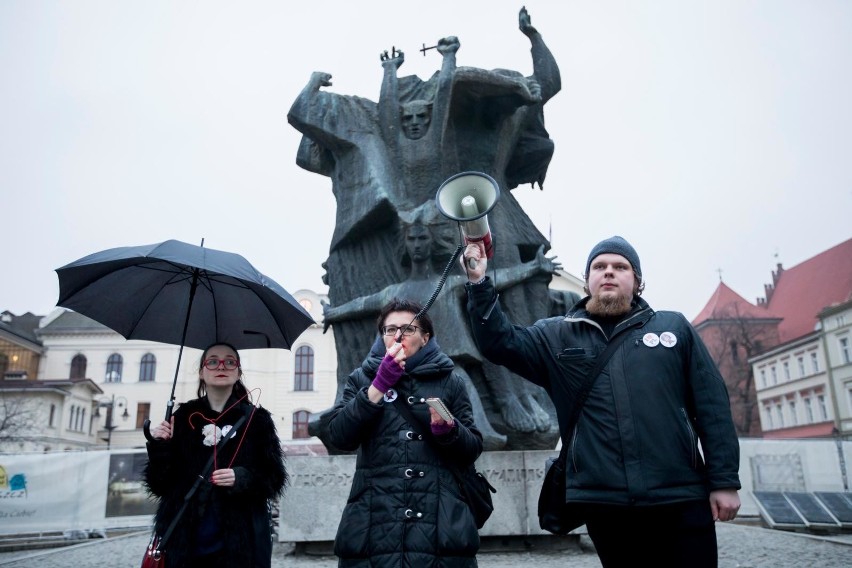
x=588, y=381
x=162, y=543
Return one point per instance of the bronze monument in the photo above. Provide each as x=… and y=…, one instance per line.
x=386, y=160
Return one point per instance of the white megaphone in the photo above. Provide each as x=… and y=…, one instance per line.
x=467, y=198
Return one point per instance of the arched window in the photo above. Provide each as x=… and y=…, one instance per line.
x=300, y=424
x=78, y=367
x=147, y=368
x=113, y=369
x=303, y=379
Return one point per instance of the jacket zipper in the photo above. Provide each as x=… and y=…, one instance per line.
x=573, y=448
x=691, y=436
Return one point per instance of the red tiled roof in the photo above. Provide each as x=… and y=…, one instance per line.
x=803, y=291
x=799, y=294
x=725, y=304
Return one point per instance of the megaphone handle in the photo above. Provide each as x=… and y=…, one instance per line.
x=441, y=282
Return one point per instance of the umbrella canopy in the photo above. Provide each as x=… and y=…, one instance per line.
x=183, y=294
x=174, y=292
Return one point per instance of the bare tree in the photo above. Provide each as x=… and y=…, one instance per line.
x=732, y=337
x=18, y=419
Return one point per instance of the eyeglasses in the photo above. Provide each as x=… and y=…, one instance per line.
x=213, y=363
x=407, y=331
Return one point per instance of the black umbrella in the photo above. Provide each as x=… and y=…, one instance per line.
x=174, y=292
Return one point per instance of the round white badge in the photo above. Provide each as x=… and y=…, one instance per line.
x=668, y=339
x=390, y=396
x=651, y=339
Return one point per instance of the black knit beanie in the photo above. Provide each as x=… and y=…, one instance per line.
x=615, y=245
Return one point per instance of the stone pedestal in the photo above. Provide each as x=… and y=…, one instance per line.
x=312, y=505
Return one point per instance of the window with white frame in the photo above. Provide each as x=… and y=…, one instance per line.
x=76, y=418
x=763, y=378
x=147, y=368
x=113, y=368
x=78, y=367
x=768, y=411
x=774, y=374
x=823, y=410
x=779, y=414
x=809, y=409
x=300, y=424
x=791, y=404
x=849, y=396
x=786, y=366
x=303, y=377
x=840, y=320
x=845, y=354
x=800, y=360
x=814, y=362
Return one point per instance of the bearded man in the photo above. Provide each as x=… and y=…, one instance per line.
x=652, y=456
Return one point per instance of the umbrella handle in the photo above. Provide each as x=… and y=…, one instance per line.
x=146, y=429
x=146, y=426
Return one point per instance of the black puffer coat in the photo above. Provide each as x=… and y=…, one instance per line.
x=405, y=508
x=637, y=438
x=241, y=511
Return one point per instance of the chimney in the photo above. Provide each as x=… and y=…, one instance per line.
x=776, y=274
x=768, y=289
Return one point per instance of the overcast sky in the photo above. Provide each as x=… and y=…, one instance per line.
x=713, y=135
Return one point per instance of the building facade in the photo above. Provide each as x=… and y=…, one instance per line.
x=805, y=386
x=20, y=349
x=785, y=359
x=110, y=386
x=97, y=388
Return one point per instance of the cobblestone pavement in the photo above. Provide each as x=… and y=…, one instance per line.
x=740, y=546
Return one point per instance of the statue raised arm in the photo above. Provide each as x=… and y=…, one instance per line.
x=414, y=123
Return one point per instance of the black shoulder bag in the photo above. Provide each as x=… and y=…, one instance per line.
x=155, y=553
x=473, y=485
x=555, y=515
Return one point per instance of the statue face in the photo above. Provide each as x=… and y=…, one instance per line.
x=418, y=243
x=416, y=117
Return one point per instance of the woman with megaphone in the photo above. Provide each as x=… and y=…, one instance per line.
x=405, y=507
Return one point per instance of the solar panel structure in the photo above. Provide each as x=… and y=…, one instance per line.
x=839, y=504
x=812, y=510
x=777, y=511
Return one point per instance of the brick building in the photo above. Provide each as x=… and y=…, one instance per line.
x=785, y=359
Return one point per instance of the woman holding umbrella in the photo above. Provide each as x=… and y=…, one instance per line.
x=214, y=467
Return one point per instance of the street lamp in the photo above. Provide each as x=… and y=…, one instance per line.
x=110, y=405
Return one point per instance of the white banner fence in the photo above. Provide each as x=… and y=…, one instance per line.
x=102, y=490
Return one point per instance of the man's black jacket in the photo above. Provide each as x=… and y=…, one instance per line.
x=637, y=438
